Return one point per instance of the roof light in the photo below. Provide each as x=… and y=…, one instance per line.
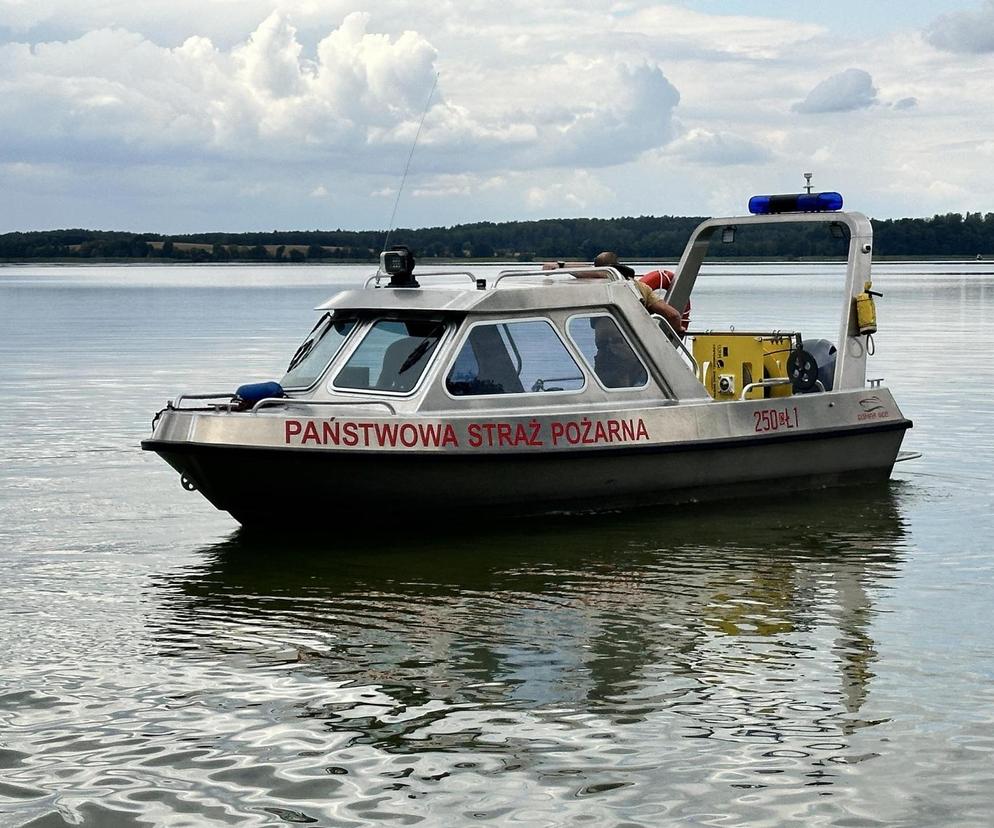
x=795, y=203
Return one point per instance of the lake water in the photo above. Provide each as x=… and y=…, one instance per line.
x=825, y=659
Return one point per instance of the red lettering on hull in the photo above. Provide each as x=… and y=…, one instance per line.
x=476, y=435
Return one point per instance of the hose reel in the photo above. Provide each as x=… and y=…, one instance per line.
x=812, y=364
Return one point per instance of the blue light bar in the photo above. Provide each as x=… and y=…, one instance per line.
x=795, y=203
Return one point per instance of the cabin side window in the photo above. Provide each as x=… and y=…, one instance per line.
x=607, y=352
x=314, y=354
x=392, y=356
x=513, y=358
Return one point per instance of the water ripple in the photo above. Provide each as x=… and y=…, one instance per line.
x=816, y=660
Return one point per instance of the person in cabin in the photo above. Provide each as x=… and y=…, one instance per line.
x=653, y=303
x=615, y=363
x=662, y=280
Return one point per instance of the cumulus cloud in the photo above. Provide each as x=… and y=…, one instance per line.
x=844, y=92
x=356, y=103
x=964, y=31
x=185, y=114
x=720, y=148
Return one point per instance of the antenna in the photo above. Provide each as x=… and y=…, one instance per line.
x=403, y=179
x=807, y=179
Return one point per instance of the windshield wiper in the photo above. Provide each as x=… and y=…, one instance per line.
x=302, y=351
x=305, y=347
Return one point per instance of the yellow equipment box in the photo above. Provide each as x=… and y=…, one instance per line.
x=728, y=362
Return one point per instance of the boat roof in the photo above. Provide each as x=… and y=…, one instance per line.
x=510, y=291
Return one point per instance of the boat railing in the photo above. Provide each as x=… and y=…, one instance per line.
x=576, y=272
x=271, y=402
x=267, y=402
x=223, y=395
x=480, y=283
x=773, y=382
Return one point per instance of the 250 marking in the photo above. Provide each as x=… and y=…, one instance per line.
x=775, y=419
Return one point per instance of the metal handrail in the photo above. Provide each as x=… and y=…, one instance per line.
x=766, y=383
x=606, y=272
x=269, y=402
x=774, y=381
x=222, y=395
x=677, y=340
x=378, y=276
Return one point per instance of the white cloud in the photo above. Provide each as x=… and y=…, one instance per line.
x=186, y=114
x=906, y=103
x=964, y=31
x=719, y=148
x=844, y=92
x=356, y=104
x=269, y=63
x=740, y=36
x=444, y=186
x=569, y=194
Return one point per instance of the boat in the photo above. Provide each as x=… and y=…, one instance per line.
x=442, y=395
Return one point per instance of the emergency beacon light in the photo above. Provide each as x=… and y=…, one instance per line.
x=795, y=203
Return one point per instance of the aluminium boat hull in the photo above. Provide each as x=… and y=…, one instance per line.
x=294, y=485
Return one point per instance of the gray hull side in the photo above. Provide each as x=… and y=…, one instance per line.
x=295, y=487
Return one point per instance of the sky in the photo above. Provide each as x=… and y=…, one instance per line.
x=233, y=115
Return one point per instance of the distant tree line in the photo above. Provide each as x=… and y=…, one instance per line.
x=642, y=237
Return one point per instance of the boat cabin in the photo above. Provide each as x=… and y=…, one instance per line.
x=535, y=339
x=532, y=339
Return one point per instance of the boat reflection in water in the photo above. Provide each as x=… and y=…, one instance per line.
x=735, y=638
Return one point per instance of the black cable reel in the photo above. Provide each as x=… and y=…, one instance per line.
x=802, y=369
x=811, y=366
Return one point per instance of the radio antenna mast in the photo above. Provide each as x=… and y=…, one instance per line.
x=403, y=179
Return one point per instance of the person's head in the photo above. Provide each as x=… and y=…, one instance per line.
x=610, y=259
x=606, y=333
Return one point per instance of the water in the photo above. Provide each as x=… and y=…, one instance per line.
x=823, y=659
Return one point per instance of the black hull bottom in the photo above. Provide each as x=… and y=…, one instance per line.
x=362, y=492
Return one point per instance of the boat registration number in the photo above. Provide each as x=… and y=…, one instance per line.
x=775, y=419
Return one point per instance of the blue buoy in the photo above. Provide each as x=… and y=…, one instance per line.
x=248, y=395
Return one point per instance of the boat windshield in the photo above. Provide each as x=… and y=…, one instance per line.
x=392, y=356
x=316, y=352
